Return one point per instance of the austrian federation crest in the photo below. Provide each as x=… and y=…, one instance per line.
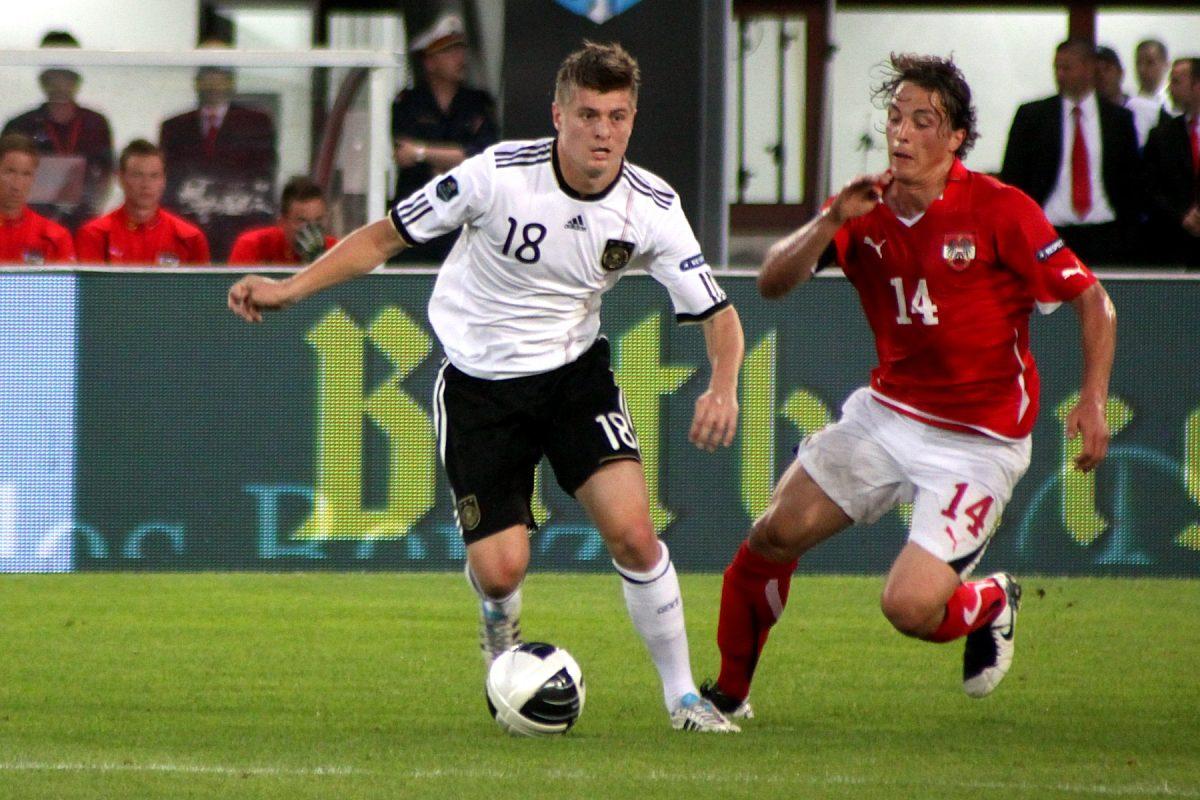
x=617, y=255
x=958, y=249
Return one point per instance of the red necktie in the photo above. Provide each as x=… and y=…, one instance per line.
x=1081, y=177
x=210, y=133
x=1195, y=126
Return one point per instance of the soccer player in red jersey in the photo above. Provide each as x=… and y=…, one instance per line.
x=298, y=238
x=140, y=231
x=26, y=237
x=948, y=264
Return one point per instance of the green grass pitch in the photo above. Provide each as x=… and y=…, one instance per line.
x=370, y=686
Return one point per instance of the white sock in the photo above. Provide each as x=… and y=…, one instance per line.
x=504, y=608
x=656, y=608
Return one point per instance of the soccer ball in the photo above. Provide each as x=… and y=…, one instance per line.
x=535, y=689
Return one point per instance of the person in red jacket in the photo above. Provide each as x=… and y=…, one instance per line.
x=299, y=235
x=26, y=237
x=140, y=231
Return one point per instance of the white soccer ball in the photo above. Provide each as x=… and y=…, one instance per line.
x=535, y=689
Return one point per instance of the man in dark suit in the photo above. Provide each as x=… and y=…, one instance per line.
x=221, y=162
x=1172, y=158
x=1076, y=155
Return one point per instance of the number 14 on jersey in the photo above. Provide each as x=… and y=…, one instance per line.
x=920, y=305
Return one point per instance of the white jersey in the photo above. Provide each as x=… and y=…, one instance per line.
x=520, y=292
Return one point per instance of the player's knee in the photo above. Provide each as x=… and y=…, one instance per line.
x=909, y=614
x=501, y=576
x=771, y=538
x=635, y=547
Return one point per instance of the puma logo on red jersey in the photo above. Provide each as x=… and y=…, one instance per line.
x=1075, y=270
x=877, y=247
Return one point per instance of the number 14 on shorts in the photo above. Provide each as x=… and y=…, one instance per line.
x=975, y=514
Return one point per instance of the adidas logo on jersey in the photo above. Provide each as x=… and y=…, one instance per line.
x=576, y=223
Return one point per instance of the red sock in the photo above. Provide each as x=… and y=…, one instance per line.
x=753, y=595
x=971, y=607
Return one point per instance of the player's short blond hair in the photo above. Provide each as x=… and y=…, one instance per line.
x=599, y=67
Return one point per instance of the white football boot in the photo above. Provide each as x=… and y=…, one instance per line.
x=695, y=713
x=989, y=651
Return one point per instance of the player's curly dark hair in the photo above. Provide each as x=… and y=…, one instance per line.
x=936, y=75
x=599, y=67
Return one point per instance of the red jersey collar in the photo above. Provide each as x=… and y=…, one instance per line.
x=17, y=220
x=129, y=224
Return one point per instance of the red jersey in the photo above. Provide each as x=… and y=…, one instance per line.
x=165, y=241
x=949, y=298
x=33, y=239
x=267, y=246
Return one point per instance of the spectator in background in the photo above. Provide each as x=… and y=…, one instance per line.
x=1110, y=74
x=221, y=162
x=26, y=237
x=1076, y=155
x=297, y=238
x=75, y=144
x=1151, y=66
x=440, y=122
x=1172, y=161
x=140, y=231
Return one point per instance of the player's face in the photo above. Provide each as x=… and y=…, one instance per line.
x=16, y=180
x=143, y=181
x=593, y=134
x=1074, y=74
x=301, y=213
x=921, y=144
x=1180, y=87
x=1151, y=66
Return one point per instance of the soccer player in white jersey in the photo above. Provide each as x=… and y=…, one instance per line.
x=548, y=227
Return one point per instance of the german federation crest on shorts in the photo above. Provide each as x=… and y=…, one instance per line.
x=447, y=189
x=617, y=255
x=959, y=250
x=468, y=512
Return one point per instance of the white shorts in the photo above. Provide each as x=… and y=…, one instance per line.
x=874, y=458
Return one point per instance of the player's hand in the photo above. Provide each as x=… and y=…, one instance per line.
x=1191, y=221
x=1087, y=419
x=309, y=242
x=405, y=154
x=715, y=421
x=253, y=294
x=859, y=196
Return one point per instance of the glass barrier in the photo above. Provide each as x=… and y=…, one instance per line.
x=214, y=145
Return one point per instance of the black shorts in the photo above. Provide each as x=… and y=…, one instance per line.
x=492, y=434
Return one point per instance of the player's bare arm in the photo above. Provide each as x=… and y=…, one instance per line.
x=357, y=254
x=1098, y=332
x=716, y=416
x=791, y=261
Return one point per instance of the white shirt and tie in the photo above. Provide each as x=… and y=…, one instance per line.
x=1078, y=197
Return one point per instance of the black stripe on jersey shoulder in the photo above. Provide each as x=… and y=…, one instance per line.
x=663, y=204
x=526, y=162
x=524, y=151
x=636, y=178
x=692, y=319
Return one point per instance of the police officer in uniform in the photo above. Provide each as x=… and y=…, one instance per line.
x=440, y=122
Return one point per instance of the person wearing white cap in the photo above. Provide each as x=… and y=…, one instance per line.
x=439, y=122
